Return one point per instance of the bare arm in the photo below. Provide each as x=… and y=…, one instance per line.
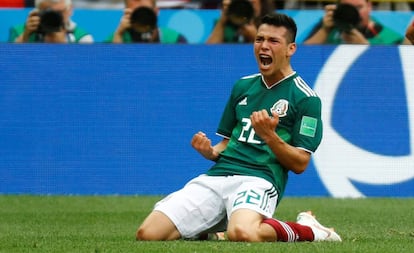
x=202, y=144
x=31, y=26
x=249, y=31
x=321, y=35
x=217, y=35
x=290, y=157
x=124, y=24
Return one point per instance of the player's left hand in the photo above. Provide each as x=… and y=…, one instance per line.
x=264, y=124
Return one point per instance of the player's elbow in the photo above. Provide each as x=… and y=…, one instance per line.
x=299, y=167
x=298, y=170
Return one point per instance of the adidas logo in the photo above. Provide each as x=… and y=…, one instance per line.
x=243, y=102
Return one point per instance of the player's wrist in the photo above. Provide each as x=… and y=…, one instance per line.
x=270, y=139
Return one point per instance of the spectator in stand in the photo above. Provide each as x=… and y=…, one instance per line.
x=239, y=20
x=50, y=22
x=139, y=25
x=366, y=30
x=409, y=34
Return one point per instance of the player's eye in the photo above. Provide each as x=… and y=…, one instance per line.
x=259, y=39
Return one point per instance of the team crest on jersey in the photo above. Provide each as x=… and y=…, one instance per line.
x=280, y=107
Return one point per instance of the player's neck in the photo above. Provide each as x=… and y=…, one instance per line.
x=277, y=77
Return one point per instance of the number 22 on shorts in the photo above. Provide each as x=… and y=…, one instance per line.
x=248, y=197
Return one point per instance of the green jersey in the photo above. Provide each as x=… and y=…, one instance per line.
x=300, y=125
x=165, y=36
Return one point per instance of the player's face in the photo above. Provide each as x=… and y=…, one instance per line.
x=273, y=52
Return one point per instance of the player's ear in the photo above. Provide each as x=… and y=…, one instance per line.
x=291, y=48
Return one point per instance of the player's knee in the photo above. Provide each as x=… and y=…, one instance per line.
x=157, y=227
x=153, y=233
x=141, y=234
x=144, y=234
x=240, y=234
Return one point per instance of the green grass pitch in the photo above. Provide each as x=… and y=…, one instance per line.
x=108, y=224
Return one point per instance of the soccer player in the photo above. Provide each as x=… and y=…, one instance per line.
x=271, y=125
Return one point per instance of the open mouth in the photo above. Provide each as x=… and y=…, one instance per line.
x=265, y=59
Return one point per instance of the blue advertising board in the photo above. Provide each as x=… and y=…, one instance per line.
x=118, y=119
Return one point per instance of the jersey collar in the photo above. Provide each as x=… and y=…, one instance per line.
x=273, y=85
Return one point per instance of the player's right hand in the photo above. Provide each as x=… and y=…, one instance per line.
x=202, y=144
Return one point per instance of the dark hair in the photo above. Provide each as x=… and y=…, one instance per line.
x=280, y=19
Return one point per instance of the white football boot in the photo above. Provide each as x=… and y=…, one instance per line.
x=320, y=232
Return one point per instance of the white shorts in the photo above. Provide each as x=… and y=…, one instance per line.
x=206, y=202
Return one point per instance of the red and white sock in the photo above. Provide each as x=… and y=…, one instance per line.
x=290, y=231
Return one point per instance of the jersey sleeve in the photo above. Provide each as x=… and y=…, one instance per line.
x=228, y=118
x=15, y=32
x=307, y=131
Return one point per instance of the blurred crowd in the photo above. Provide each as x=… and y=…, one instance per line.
x=344, y=21
x=216, y=4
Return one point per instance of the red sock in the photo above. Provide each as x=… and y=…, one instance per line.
x=290, y=231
